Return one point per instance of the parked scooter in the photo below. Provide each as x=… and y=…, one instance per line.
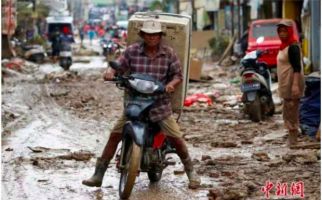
x=256, y=87
x=35, y=53
x=65, y=52
x=110, y=48
x=144, y=147
x=65, y=55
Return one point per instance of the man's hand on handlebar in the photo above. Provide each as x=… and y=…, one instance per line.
x=169, y=88
x=109, y=74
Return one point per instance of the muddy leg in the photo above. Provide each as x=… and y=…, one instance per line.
x=111, y=146
x=292, y=137
x=182, y=151
x=97, y=178
x=103, y=161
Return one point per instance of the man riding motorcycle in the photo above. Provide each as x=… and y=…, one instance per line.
x=156, y=59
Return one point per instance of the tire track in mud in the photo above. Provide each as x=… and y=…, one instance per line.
x=47, y=114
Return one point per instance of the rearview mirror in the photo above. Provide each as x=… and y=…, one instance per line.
x=115, y=65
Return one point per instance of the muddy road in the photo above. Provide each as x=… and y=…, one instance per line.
x=54, y=127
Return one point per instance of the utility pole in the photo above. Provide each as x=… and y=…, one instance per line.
x=238, y=8
x=178, y=6
x=232, y=17
x=194, y=15
x=34, y=17
x=245, y=15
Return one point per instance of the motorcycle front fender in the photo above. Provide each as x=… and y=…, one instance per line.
x=136, y=131
x=251, y=96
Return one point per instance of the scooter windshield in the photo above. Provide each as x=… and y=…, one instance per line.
x=144, y=86
x=251, y=55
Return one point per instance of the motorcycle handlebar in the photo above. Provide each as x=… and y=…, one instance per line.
x=113, y=80
x=261, y=52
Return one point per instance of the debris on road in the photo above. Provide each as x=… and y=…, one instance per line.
x=233, y=155
x=37, y=149
x=61, y=76
x=201, y=99
x=261, y=156
x=78, y=156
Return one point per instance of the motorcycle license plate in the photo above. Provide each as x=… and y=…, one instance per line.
x=250, y=87
x=65, y=54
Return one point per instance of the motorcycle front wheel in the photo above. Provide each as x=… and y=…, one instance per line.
x=128, y=174
x=154, y=176
x=65, y=63
x=39, y=58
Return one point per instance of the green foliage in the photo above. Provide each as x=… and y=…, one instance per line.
x=218, y=44
x=24, y=13
x=42, y=10
x=163, y=5
x=156, y=5
x=37, y=40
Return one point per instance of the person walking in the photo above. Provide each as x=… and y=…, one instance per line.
x=81, y=36
x=290, y=78
x=55, y=44
x=91, y=35
x=156, y=59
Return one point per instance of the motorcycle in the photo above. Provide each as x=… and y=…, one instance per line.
x=256, y=87
x=111, y=48
x=35, y=53
x=144, y=147
x=65, y=51
x=65, y=55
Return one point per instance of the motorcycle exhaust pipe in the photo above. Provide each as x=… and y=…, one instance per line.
x=169, y=162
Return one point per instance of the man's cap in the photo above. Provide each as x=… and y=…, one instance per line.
x=151, y=26
x=285, y=22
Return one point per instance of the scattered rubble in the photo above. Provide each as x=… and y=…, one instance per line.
x=61, y=76
x=205, y=157
x=261, y=156
x=234, y=156
x=302, y=158
x=78, y=156
x=225, y=144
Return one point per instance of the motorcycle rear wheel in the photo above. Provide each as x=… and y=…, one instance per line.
x=38, y=58
x=154, y=176
x=65, y=63
x=271, y=111
x=129, y=173
x=254, y=109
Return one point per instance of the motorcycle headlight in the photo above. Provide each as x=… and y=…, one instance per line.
x=144, y=86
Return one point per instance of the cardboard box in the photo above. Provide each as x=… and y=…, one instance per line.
x=200, y=39
x=195, y=69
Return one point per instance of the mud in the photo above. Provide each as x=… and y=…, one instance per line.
x=55, y=125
